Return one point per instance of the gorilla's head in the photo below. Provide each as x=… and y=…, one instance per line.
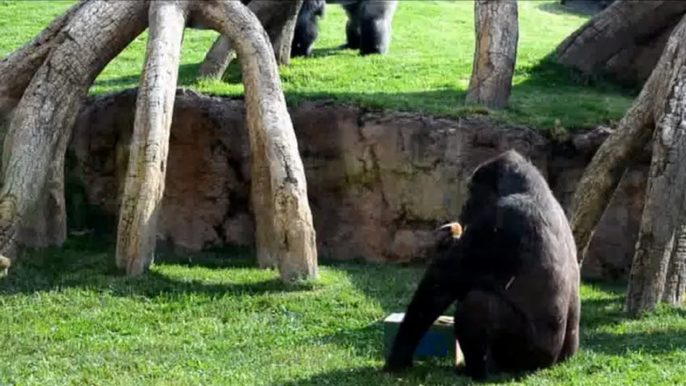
x=506, y=174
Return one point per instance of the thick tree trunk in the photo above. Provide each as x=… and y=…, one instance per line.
x=497, y=33
x=144, y=186
x=602, y=175
x=662, y=106
x=43, y=119
x=675, y=285
x=664, y=206
x=285, y=235
x=17, y=70
x=624, y=40
x=278, y=19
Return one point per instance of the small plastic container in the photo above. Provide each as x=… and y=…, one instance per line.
x=439, y=341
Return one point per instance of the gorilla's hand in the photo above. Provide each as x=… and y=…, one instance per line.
x=446, y=234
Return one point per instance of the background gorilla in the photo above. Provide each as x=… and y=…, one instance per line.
x=306, y=28
x=369, y=24
x=513, y=273
x=368, y=28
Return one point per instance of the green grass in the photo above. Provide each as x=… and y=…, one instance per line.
x=67, y=317
x=427, y=69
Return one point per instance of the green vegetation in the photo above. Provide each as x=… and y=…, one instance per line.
x=427, y=70
x=67, y=318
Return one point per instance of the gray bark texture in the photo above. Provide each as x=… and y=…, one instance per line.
x=278, y=19
x=625, y=40
x=35, y=144
x=675, y=285
x=663, y=213
x=658, y=110
x=144, y=183
x=602, y=175
x=285, y=235
x=497, y=33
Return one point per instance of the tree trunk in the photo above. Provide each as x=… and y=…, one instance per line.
x=144, y=184
x=285, y=235
x=664, y=206
x=602, y=175
x=675, y=285
x=44, y=117
x=17, y=70
x=217, y=59
x=278, y=19
x=624, y=40
x=497, y=33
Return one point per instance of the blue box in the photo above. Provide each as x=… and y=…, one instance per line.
x=439, y=341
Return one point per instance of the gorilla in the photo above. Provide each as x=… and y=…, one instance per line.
x=369, y=24
x=513, y=273
x=368, y=28
x=306, y=28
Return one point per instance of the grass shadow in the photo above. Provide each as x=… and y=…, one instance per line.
x=188, y=72
x=328, y=51
x=646, y=342
x=89, y=263
x=427, y=373
x=542, y=98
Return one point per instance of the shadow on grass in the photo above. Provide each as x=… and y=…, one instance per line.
x=187, y=74
x=646, y=342
x=539, y=100
x=420, y=374
x=89, y=263
x=425, y=373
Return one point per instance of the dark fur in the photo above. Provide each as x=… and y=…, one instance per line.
x=513, y=274
x=369, y=24
x=306, y=27
x=368, y=28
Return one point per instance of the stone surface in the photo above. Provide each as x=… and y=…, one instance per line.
x=378, y=182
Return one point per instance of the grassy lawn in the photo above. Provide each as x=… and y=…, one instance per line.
x=67, y=318
x=427, y=70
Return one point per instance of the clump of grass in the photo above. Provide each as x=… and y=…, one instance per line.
x=427, y=69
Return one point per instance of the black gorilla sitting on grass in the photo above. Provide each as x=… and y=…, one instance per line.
x=513, y=273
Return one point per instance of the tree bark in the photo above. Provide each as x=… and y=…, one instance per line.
x=285, y=236
x=602, y=175
x=17, y=70
x=41, y=124
x=144, y=184
x=675, y=285
x=217, y=59
x=664, y=206
x=497, y=33
x=278, y=19
x=624, y=40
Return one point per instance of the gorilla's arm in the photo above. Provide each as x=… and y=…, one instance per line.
x=434, y=295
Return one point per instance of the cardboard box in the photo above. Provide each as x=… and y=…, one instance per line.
x=439, y=341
